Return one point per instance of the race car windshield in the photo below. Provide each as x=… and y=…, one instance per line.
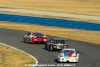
x=38, y=34
x=64, y=51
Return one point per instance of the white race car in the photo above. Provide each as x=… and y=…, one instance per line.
x=68, y=55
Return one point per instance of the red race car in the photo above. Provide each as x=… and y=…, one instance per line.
x=34, y=37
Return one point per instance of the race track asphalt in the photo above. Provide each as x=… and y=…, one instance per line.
x=89, y=53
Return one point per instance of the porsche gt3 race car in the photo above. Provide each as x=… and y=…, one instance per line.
x=68, y=55
x=34, y=37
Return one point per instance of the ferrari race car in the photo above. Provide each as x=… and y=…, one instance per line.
x=56, y=44
x=34, y=37
x=68, y=55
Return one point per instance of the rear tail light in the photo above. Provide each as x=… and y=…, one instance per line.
x=61, y=55
x=45, y=39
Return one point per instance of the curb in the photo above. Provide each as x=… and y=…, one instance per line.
x=36, y=61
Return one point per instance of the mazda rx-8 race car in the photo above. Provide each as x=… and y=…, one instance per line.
x=56, y=44
x=68, y=55
x=34, y=37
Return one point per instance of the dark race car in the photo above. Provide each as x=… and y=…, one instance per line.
x=56, y=44
x=34, y=37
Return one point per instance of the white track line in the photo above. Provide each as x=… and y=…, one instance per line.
x=51, y=13
x=36, y=61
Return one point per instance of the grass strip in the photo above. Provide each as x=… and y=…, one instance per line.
x=14, y=58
